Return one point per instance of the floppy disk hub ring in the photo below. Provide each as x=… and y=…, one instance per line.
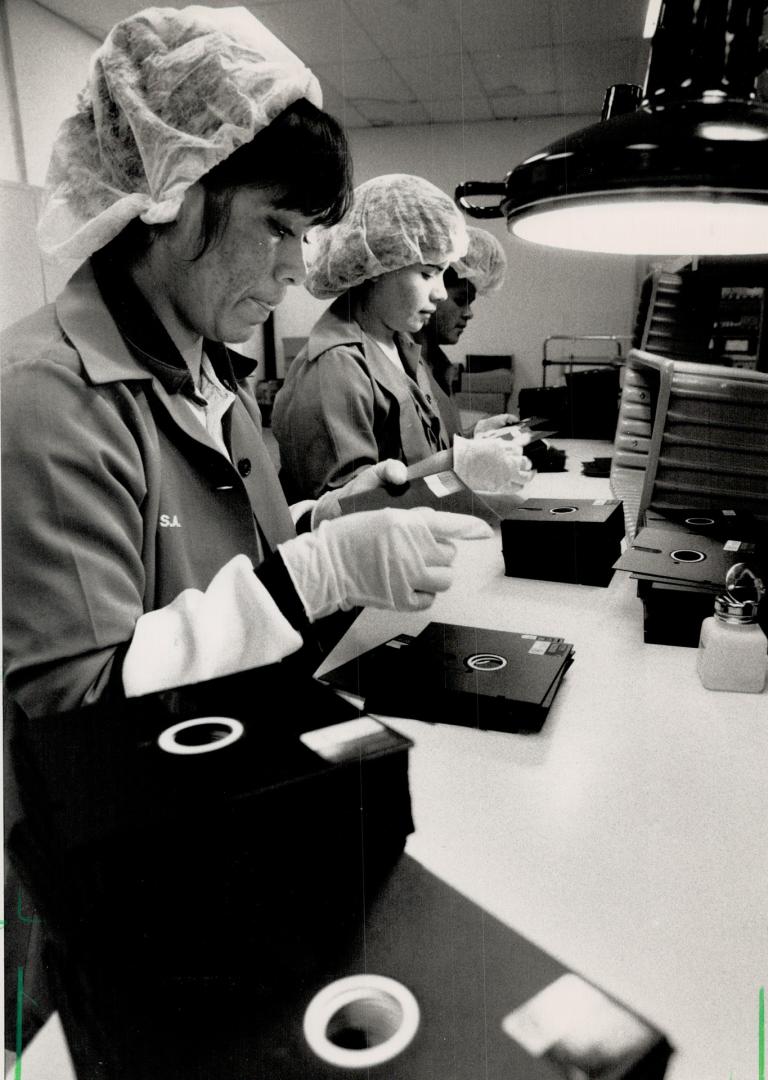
x=687, y=555
x=486, y=662
x=200, y=736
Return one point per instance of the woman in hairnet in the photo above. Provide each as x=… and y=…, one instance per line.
x=479, y=272
x=359, y=392
x=148, y=544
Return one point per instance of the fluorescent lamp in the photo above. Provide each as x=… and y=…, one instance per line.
x=686, y=173
x=650, y=226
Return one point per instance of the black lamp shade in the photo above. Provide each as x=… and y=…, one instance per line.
x=691, y=145
x=696, y=150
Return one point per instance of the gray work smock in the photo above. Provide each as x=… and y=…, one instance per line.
x=345, y=406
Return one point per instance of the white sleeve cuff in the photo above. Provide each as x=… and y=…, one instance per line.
x=233, y=626
x=299, y=509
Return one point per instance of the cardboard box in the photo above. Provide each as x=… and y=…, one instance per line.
x=673, y=614
x=137, y=855
x=490, y=1004
x=576, y=540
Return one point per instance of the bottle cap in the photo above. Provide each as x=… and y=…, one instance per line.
x=740, y=603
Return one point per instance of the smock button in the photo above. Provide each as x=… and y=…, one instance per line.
x=244, y=466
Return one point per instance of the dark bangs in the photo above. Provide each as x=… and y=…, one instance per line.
x=304, y=151
x=303, y=154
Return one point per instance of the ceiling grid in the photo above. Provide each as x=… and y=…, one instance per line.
x=402, y=62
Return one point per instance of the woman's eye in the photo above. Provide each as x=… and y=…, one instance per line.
x=279, y=230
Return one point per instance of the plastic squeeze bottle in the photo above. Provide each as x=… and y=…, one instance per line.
x=733, y=650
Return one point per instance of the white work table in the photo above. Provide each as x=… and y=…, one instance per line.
x=629, y=838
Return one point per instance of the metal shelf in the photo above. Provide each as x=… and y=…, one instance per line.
x=573, y=360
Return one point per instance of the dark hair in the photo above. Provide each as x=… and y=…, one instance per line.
x=451, y=280
x=303, y=154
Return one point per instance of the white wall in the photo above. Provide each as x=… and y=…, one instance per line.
x=546, y=292
x=51, y=59
x=9, y=168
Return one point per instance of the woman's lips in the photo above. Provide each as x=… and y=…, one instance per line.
x=261, y=306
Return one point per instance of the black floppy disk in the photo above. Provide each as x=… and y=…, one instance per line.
x=464, y=675
x=440, y=491
x=678, y=555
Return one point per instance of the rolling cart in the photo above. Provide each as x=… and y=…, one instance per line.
x=587, y=406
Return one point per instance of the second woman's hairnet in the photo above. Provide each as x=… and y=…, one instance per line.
x=395, y=221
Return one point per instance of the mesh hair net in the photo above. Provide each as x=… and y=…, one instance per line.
x=485, y=263
x=395, y=221
x=171, y=93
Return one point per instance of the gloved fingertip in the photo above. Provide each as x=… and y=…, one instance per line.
x=460, y=526
x=393, y=472
x=479, y=530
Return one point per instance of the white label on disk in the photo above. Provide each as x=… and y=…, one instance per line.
x=575, y=1014
x=443, y=483
x=321, y=739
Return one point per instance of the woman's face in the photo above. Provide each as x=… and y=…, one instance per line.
x=240, y=279
x=454, y=312
x=404, y=300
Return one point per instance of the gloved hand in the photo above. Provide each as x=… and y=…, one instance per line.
x=491, y=424
x=383, y=558
x=389, y=471
x=494, y=466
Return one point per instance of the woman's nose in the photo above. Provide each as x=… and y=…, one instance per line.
x=291, y=268
x=438, y=291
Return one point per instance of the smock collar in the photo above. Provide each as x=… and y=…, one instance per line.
x=336, y=326
x=118, y=335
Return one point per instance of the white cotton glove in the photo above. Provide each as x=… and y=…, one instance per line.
x=389, y=471
x=491, y=424
x=492, y=466
x=388, y=558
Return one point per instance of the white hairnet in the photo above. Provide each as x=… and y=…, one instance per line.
x=485, y=263
x=395, y=221
x=171, y=93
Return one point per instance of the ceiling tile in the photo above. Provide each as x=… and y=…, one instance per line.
x=409, y=27
x=597, y=20
x=318, y=31
x=583, y=102
x=449, y=60
x=344, y=111
x=376, y=80
x=97, y=20
x=511, y=106
x=487, y=24
x=439, y=76
x=516, y=71
x=597, y=65
x=459, y=110
x=388, y=114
